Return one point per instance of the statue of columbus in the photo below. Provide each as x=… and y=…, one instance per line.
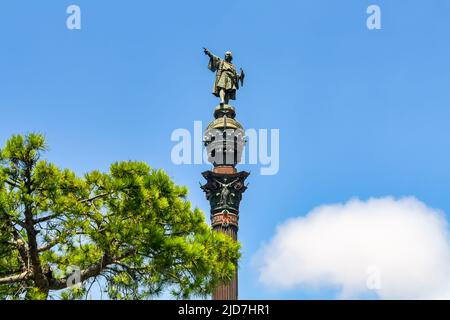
x=227, y=79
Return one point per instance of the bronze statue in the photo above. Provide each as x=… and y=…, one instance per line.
x=227, y=79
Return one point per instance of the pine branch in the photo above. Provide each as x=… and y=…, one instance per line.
x=16, y=278
x=12, y=184
x=94, y=198
x=49, y=217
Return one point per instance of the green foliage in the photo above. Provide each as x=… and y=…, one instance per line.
x=130, y=230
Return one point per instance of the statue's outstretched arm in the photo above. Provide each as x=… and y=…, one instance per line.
x=207, y=52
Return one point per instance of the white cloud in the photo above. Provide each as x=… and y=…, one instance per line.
x=397, y=248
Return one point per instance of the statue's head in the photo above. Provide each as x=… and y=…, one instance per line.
x=228, y=56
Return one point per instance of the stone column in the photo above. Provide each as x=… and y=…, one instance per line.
x=224, y=140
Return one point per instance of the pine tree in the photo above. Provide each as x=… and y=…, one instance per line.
x=130, y=231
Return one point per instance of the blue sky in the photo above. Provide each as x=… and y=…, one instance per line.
x=361, y=113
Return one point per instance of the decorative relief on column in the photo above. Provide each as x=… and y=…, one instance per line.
x=224, y=191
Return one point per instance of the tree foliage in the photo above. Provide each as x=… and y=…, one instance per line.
x=130, y=231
